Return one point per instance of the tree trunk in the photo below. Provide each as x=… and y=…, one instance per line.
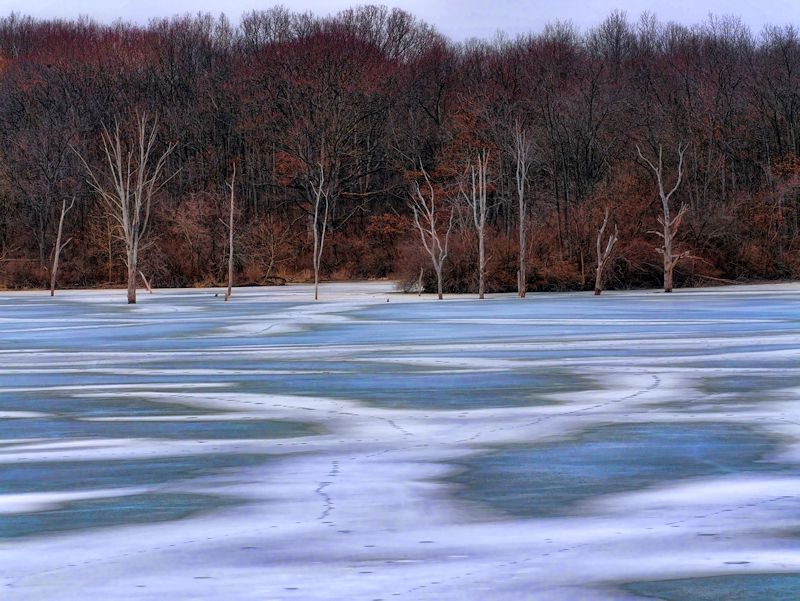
x=668, y=266
x=522, y=282
x=54, y=271
x=522, y=276
x=230, y=238
x=132, y=282
x=59, y=247
x=439, y=282
x=319, y=236
x=522, y=159
x=317, y=253
x=481, y=265
x=56, y=252
x=598, y=275
x=110, y=252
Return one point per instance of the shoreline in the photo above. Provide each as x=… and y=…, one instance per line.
x=333, y=291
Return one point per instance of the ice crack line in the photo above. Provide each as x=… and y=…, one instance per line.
x=327, y=501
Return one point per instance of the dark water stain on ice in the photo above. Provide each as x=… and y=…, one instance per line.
x=549, y=479
x=753, y=387
x=739, y=587
x=399, y=387
x=44, y=476
x=112, y=511
x=382, y=384
x=150, y=474
x=78, y=406
x=66, y=428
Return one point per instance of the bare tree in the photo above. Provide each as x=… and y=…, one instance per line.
x=266, y=244
x=230, y=236
x=424, y=209
x=321, y=206
x=669, y=224
x=476, y=201
x=59, y=246
x=603, y=254
x=522, y=159
x=134, y=173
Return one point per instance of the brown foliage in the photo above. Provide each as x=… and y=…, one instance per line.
x=371, y=94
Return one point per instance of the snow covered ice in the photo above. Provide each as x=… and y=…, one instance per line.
x=557, y=447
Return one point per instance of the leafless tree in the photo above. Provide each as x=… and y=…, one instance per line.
x=425, y=212
x=320, y=224
x=134, y=173
x=230, y=235
x=522, y=159
x=475, y=199
x=603, y=254
x=59, y=246
x=669, y=224
x=266, y=244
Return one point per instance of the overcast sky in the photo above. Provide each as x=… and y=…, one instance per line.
x=457, y=19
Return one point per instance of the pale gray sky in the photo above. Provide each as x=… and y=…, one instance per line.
x=458, y=20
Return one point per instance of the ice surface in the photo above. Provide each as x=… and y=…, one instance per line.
x=557, y=447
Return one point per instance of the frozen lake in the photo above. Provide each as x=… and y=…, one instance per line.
x=636, y=445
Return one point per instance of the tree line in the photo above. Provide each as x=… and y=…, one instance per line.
x=367, y=145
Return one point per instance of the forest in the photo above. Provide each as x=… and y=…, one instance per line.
x=367, y=145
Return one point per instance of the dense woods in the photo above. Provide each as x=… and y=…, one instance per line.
x=344, y=130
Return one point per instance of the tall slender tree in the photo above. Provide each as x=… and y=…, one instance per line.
x=603, y=254
x=231, y=186
x=669, y=224
x=321, y=208
x=476, y=199
x=522, y=164
x=427, y=215
x=133, y=173
x=59, y=246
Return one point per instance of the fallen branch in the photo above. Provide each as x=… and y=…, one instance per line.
x=146, y=283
